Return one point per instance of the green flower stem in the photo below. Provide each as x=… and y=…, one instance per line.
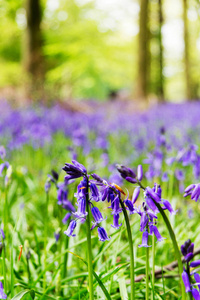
x=153, y=266
x=147, y=273
x=4, y=269
x=174, y=242
x=131, y=253
x=176, y=248
x=5, y=245
x=12, y=272
x=45, y=240
x=64, y=274
x=89, y=247
x=6, y=221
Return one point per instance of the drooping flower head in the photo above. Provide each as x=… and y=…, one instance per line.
x=187, y=250
x=102, y=234
x=194, y=191
x=74, y=170
x=70, y=230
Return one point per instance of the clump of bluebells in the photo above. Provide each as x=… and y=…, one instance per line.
x=87, y=191
x=190, y=278
x=93, y=188
x=98, y=189
x=149, y=209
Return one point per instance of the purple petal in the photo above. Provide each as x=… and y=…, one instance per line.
x=186, y=281
x=195, y=294
x=139, y=172
x=136, y=194
x=195, y=263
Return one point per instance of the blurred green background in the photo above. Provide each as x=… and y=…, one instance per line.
x=97, y=49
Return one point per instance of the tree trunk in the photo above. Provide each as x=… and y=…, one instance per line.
x=161, y=79
x=186, y=52
x=33, y=45
x=143, y=59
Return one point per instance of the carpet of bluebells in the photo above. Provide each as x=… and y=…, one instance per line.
x=100, y=204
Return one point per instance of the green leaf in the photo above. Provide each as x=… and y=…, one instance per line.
x=122, y=287
x=96, y=277
x=21, y=294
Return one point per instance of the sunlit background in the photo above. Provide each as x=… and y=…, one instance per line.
x=90, y=50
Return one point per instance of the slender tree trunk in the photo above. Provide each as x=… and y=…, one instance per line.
x=186, y=53
x=33, y=45
x=161, y=79
x=143, y=59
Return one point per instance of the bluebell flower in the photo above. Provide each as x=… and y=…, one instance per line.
x=2, y=152
x=186, y=281
x=49, y=181
x=110, y=195
x=187, y=250
x=104, y=193
x=139, y=173
x=97, y=215
x=167, y=205
x=194, y=191
x=145, y=237
x=131, y=180
x=68, y=206
x=179, y=175
x=169, y=161
x=197, y=279
x=82, y=189
x=61, y=194
x=66, y=218
x=115, y=205
x=2, y=235
x=143, y=221
x=102, y=234
x=195, y=263
x=75, y=170
x=151, y=193
x=70, y=229
x=57, y=236
x=130, y=206
x=47, y=186
x=157, y=189
x=150, y=203
x=154, y=230
x=2, y=294
x=116, y=224
x=97, y=178
x=126, y=172
x=3, y=166
x=95, y=194
x=165, y=177
x=195, y=294
x=136, y=194
x=81, y=212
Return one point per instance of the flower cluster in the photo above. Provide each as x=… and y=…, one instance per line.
x=87, y=191
x=152, y=200
x=187, y=250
